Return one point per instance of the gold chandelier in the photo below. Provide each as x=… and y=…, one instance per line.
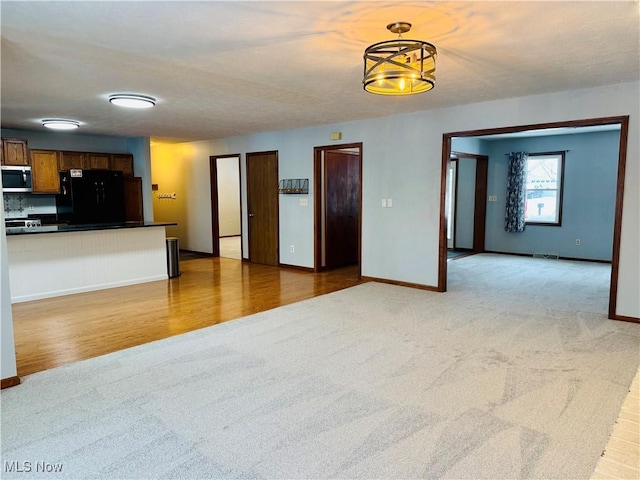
x=399, y=67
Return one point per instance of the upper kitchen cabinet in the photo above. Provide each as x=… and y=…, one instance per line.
x=44, y=171
x=98, y=161
x=69, y=160
x=15, y=152
x=122, y=162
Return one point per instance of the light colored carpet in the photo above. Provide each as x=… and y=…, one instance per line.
x=514, y=373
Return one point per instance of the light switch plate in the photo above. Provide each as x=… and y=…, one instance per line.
x=304, y=202
x=389, y=202
x=493, y=198
x=384, y=203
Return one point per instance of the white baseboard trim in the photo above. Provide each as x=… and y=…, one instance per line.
x=90, y=288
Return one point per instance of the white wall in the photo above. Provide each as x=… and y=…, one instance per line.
x=8, y=352
x=401, y=243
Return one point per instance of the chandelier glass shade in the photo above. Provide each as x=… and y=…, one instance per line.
x=399, y=67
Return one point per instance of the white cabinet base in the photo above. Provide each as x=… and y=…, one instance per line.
x=54, y=264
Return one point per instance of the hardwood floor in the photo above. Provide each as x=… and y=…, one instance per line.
x=58, y=331
x=621, y=458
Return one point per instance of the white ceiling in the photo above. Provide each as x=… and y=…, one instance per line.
x=228, y=68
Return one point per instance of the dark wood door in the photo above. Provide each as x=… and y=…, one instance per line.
x=342, y=208
x=480, y=211
x=133, y=211
x=262, y=207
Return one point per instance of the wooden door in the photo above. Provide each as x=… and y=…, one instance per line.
x=133, y=199
x=342, y=208
x=262, y=207
x=480, y=214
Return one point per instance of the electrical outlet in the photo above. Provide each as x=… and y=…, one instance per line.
x=389, y=202
x=493, y=198
x=31, y=207
x=578, y=241
x=384, y=203
x=304, y=202
x=292, y=248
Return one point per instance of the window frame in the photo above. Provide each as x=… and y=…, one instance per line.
x=561, y=154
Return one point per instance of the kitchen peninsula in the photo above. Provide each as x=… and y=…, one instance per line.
x=51, y=261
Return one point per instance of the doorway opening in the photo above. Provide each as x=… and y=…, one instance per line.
x=621, y=123
x=338, y=206
x=465, y=207
x=226, y=206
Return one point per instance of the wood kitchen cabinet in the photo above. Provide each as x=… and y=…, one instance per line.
x=133, y=199
x=98, y=161
x=122, y=162
x=69, y=160
x=44, y=171
x=15, y=152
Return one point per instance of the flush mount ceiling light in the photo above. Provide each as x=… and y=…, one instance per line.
x=132, y=100
x=399, y=67
x=60, y=124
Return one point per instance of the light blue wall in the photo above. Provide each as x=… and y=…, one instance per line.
x=590, y=178
x=74, y=141
x=465, y=203
x=468, y=145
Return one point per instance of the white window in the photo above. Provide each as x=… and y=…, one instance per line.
x=544, y=188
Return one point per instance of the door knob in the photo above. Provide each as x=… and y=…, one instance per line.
x=251, y=214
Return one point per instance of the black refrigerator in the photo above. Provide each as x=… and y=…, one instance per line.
x=91, y=196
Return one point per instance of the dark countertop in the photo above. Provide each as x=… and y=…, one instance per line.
x=82, y=228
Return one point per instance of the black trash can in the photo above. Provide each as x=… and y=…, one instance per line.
x=173, y=257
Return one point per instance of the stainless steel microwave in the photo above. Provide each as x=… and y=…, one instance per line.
x=16, y=179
